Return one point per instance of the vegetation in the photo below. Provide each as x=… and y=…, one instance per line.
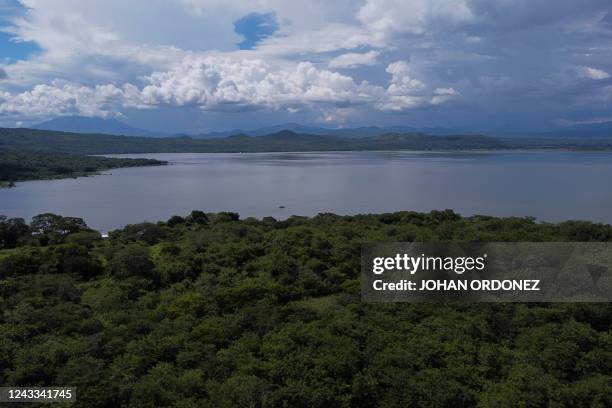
x=212, y=311
x=17, y=166
x=49, y=141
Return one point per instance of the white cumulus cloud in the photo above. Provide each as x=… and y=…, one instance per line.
x=211, y=82
x=405, y=92
x=354, y=59
x=594, y=73
x=226, y=84
x=390, y=17
x=442, y=95
x=221, y=83
x=61, y=98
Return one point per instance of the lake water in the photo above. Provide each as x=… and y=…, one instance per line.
x=551, y=186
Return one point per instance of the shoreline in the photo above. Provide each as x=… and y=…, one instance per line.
x=100, y=172
x=236, y=217
x=522, y=150
x=22, y=166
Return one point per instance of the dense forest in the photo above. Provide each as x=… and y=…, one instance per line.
x=18, y=166
x=209, y=310
x=283, y=141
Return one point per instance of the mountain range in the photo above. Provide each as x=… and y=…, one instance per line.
x=601, y=129
x=364, y=131
x=111, y=126
x=22, y=139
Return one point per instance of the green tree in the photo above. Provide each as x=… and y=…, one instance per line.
x=132, y=260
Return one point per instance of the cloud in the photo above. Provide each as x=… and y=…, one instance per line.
x=391, y=19
x=491, y=56
x=94, y=43
x=217, y=84
x=387, y=18
x=401, y=81
x=335, y=115
x=405, y=92
x=224, y=84
x=442, y=95
x=593, y=73
x=352, y=59
x=61, y=98
x=213, y=82
x=330, y=38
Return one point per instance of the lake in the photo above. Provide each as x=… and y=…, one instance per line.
x=551, y=186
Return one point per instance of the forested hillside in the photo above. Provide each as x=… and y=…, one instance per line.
x=283, y=141
x=39, y=140
x=18, y=166
x=209, y=310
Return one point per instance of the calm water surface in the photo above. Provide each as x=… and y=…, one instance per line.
x=550, y=186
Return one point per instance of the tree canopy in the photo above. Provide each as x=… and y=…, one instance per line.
x=28, y=165
x=211, y=310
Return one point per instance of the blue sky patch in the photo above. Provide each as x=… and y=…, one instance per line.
x=11, y=50
x=255, y=27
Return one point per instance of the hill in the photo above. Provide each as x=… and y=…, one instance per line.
x=284, y=141
x=603, y=129
x=63, y=142
x=364, y=131
x=20, y=166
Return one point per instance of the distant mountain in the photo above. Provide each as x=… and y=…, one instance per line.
x=366, y=131
x=294, y=127
x=283, y=141
x=81, y=124
x=21, y=139
x=603, y=129
x=343, y=132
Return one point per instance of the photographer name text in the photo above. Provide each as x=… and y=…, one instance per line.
x=458, y=265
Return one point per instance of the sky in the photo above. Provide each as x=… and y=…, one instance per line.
x=201, y=65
